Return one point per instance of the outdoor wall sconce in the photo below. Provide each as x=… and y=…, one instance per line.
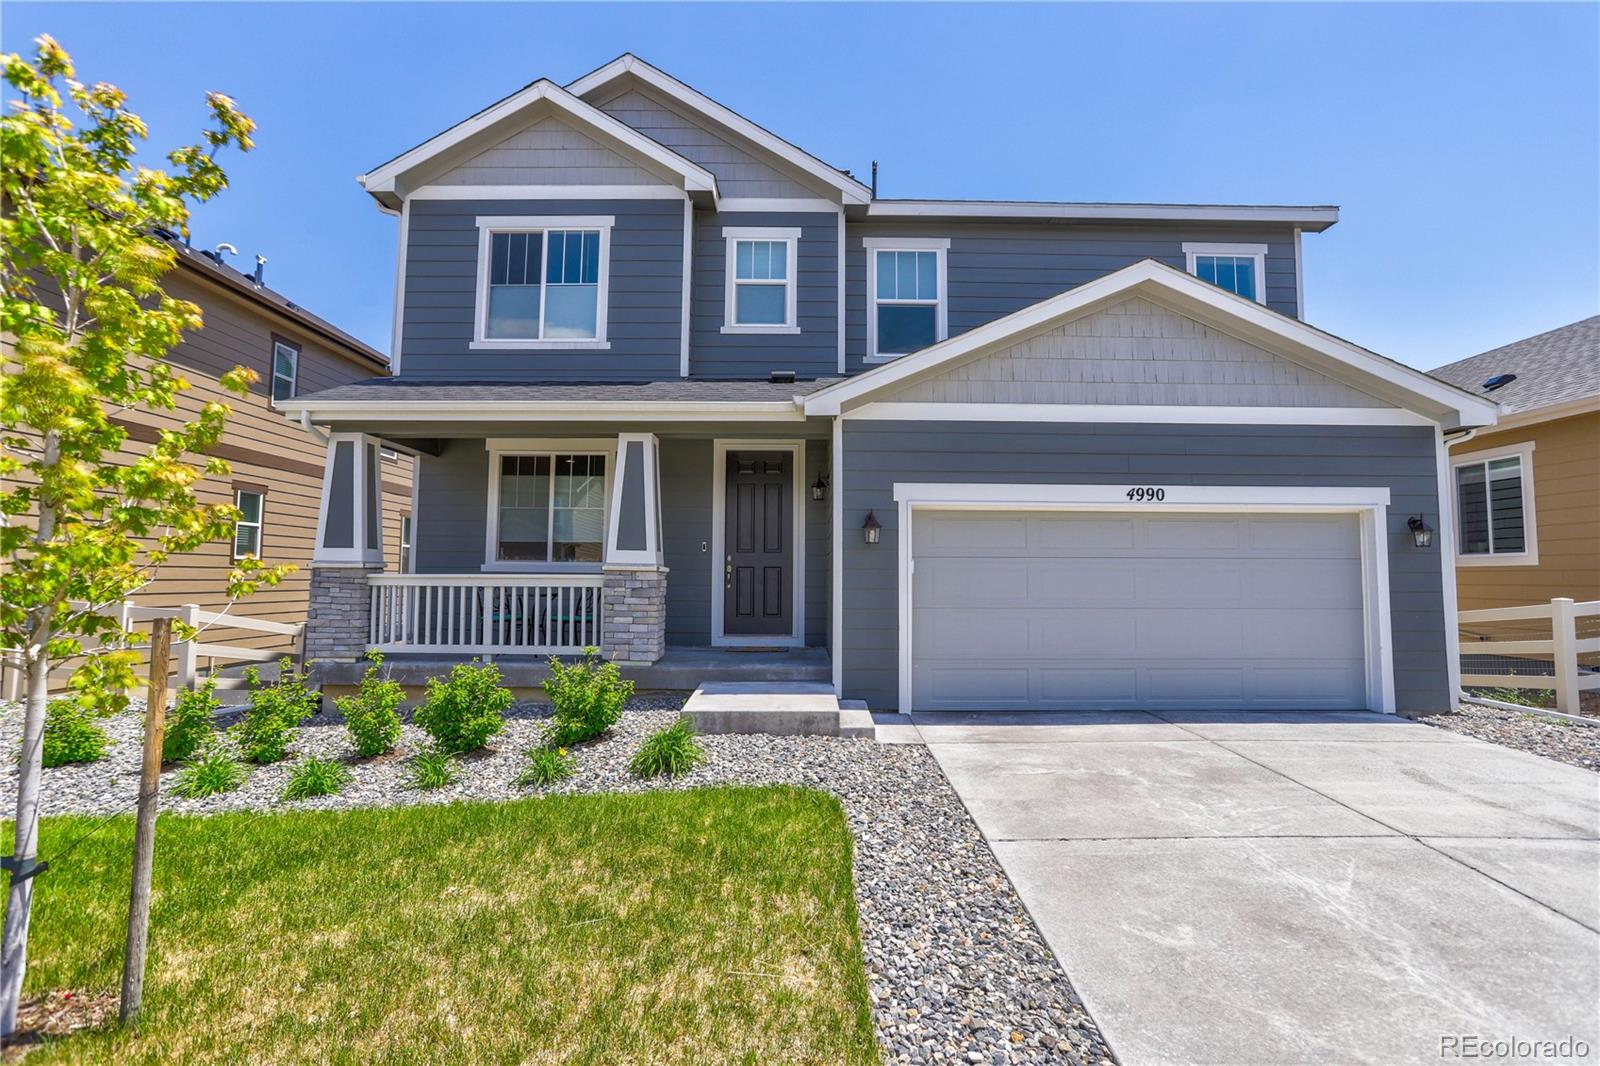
x=819, y=489
x=1421, y=535
x=871, y=529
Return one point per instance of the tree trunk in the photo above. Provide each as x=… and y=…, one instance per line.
x=19, y=902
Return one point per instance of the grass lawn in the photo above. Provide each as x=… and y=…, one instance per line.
x=714, y=925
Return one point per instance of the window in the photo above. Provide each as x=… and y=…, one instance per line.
x=542, y=282
x=907, y=281
x=760, y=296
x=405, y=544
x=549, y=508
x=285, y=368
x=1239, y=268
x=247, y=530
x=1494, y=507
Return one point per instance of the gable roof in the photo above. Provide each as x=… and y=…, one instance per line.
x=502, y=118
x=1242, y=318
x=627, y=65
x=1556, y=368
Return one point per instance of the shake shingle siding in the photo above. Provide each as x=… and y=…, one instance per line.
x=644, y=318
x=879, y=454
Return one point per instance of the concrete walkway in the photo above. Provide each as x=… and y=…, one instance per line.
x=1294, y=888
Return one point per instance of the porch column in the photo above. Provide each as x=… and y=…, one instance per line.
x=634, y=599
x=349, y=546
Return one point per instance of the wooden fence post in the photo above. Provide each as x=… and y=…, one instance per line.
x=1564, y=645
x=144, y=833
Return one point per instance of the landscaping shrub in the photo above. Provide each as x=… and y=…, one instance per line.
x=268, y=727
x=432, y=769
x=463, y=711
x=71, y=734
x=546, y=766
x=190, y=725
x=587, y=698
x=372, y=715
x=211, y=771
x=316, y=777
x=672, y=751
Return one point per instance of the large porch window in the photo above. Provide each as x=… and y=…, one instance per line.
x=548, y=507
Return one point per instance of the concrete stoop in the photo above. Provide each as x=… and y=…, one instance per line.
x=783, y=708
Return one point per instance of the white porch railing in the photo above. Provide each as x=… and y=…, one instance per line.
x=485, y=614
x=1543, y=646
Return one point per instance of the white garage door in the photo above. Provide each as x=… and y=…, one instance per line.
x=1065, y=610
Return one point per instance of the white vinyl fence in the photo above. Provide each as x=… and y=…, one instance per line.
x=1543, y=646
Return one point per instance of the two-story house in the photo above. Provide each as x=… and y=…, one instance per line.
x=673, y=381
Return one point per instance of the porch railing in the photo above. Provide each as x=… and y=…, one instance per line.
x=485, y=614
x=1550, y=646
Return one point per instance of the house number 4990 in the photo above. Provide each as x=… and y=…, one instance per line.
x=1147, y=495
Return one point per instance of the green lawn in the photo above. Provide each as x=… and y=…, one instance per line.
x=713, y=925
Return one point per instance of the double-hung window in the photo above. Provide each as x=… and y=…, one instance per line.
x=285, y=369
x=247, y=529
x=1494, y=507
x=760, y=272
x=906, y=281
x=542, y=281
x=1239, y=268
x=548, y=507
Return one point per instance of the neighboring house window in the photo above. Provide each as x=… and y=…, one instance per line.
x=1239, y=268
x=1494, y=507
x=906, y=279
x=389, y=455
x=549, y=508
x=285, y=369
x=760, y=296
x=247, y=530
x=405, y=544
x=542, y=282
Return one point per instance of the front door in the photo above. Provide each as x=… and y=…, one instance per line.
x=759, y=562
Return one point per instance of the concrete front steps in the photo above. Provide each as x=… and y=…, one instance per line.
x=785, y=708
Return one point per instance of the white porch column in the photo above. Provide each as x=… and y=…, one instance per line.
x=634, y=602
x=349, y=546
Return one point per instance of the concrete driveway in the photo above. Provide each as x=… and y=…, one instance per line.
x=1294, y=888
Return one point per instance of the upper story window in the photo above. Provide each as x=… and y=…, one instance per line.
x=760, y=296
x=547, y=507
x=285, y=370
x=405, y=544
x=542, y=281
x=1239, y=268
x=247, y=529
x=1494, y=507
x=906, y=280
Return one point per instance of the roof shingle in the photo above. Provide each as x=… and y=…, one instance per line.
x=1555, y=367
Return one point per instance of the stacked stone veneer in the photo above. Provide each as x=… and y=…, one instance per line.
x=634, y=614
x=340, y=612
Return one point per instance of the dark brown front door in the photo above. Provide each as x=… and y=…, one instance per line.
x=756, y=573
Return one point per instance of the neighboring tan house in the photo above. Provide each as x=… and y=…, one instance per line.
x=1527, y=492
x=679, y=388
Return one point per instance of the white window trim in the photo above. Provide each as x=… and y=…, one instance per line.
x=1371, y=504
x=260, y=524
x=1529, y=556
x=502, y=446
x=1258, y=252
x=294, y=372
x=790, y=236
x=719, y=536
x=940, y=246
x=488, y=226
x=406, y=554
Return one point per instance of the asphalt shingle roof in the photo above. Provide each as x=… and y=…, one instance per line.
x=686, y=390
x=1555, y=367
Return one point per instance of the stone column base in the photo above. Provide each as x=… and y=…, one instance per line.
x=633, y=623
x=339, y=613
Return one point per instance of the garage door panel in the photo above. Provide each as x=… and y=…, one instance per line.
x=1048, y=533
x=1079, y=634
x=1189, y=582
x=1193, y=682
x=970, y=637
x=1079, y=583
x=1305, y=682
x=1093, y=685
x=966, y=531
x=1302, y=536
x=1199, y=534
x=1197, y=633
x=1292, y=583
x=1288, y=634
x=962, y=687
x=956, y=583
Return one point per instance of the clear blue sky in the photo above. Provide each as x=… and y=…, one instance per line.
x=1461, y=141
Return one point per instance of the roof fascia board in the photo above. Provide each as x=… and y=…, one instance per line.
x=851, y=191
x=1535, y=415
x=695, y=177
x=391, y=410
x=1313, y=218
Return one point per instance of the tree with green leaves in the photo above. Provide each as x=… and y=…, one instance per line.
x=85, y=519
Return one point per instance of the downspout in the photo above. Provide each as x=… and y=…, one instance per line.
x=316, y=434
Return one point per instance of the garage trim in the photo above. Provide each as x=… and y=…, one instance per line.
x=1369, y=503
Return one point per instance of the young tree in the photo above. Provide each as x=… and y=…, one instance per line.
x=84, y=522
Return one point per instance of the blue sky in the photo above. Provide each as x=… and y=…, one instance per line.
x=1461, y=141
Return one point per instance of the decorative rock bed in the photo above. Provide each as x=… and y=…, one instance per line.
x=956, y=969
x=1570, y=742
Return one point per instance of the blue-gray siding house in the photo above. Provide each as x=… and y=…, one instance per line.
x=672, y=381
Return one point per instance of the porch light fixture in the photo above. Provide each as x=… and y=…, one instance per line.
x=819, y=489
x=871, y=529
x=1421, y=535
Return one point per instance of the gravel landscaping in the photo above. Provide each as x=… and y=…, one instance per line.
x=957, y=970
x=1569, y=742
